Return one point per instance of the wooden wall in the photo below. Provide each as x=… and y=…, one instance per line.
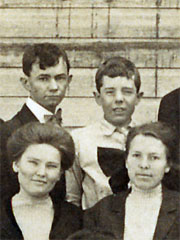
x=144, y=31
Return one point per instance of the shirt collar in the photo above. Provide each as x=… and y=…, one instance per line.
x=37, y=110
x=108, y=129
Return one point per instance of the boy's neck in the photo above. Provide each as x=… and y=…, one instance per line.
x=120, y=126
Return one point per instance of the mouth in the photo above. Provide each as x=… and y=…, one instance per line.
x=143, y=175
x=53, y=97
x=119, y=110
x=39, y=181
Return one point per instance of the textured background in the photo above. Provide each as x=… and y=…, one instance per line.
x=144, y=31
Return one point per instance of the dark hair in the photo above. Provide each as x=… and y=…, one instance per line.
x=48, y=55
x=117, y=66
x=38, y=133
x=158, y=130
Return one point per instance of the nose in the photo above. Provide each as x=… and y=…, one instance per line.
x=144, y=163
x=53, y=85
x=118, y=97
x=41, y=171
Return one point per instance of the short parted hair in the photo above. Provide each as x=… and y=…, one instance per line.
x=159, y=130
x=48, y=55
x=117, y=66
x=39, y=133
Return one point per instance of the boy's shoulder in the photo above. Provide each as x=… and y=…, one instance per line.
x=89, y=130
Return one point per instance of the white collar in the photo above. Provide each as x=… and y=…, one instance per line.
x=108, y=129
x=37, y=110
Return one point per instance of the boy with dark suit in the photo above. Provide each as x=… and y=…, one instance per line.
x=46, y=67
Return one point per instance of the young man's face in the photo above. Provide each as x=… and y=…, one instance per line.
x=146, y=162
x=47, y=87
x=118, y=98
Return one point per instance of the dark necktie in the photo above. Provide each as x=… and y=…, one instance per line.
x=54, y=118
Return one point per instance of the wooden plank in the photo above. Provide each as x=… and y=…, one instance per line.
x=168, y=80
x=100, y=22
x=79, y=3
x=80, y=23
x=90, y=54
x=169, y=55
x=82, y=111
x=169, y=23
x=133, y=3
x=169, y=4
x=82, y=85
x=28, y=23
x=30, y=3
x=63, y=24
x=133, y=23
x=146, y=111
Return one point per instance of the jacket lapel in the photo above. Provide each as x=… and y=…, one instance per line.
x=118, y=208
x=167, y=215
x=26, y=116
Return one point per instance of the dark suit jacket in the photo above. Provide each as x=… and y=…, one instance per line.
x=109, y=214
x=67, y=220
x=169, y=109
x=9, y=184
x=7, y=128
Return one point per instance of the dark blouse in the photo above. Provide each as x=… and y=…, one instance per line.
x=67, y=220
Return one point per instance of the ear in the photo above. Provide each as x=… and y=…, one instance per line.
x=25, y=82
x=97, y=97
x=15, y=167
x=168, y=167
x=139, y=96
x=70, y=78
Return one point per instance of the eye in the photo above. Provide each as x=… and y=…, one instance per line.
x=136, y=155
x=33, y=162
x=61, y=77
x=110, y=92
x=44, y=78
x=128, y=91
x=155, y=157
x=52, y=166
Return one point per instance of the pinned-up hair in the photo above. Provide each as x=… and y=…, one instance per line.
x=159, y=130
x=39, y=133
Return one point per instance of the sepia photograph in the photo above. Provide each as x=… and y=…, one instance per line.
x=89, y=119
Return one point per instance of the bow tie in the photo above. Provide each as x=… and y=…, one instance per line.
x=54, y=118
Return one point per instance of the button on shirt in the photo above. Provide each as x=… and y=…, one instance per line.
x=86, y=183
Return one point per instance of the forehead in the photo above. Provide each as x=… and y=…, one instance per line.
x=149, y=144
x=118, y=82
x=43, y=152
x=59, y=68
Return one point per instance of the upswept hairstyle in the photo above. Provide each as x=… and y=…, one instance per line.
x=159, y=130
x=39, y=133
x=48, y=55
x=117, y=66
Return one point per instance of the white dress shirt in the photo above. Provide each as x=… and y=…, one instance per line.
x=37, y=110
x=86, y=183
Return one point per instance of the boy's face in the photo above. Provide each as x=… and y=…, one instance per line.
x=118, y=98
x=47, y=87
x=146, y=162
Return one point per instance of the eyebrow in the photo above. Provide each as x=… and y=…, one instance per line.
x=128, y=88
x=44, y=75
